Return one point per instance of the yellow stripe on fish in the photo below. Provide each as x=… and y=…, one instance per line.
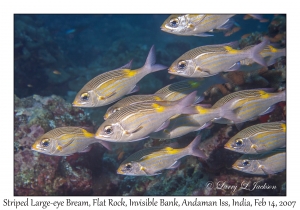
x=130, y=73
x=201, y=110
x=231, y=50
x=273, y=49
x=158, y=108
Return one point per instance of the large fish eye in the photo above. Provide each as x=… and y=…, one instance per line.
x=84, y=96
x=128, y=166
x=246, y=162
x=174, y=22
x=238, y=142
x=181, y=65
x=108, y=129
x=45, y=142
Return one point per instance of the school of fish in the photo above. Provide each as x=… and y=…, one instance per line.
x=176, y=110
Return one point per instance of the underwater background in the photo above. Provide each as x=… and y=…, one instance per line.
x=55, y=55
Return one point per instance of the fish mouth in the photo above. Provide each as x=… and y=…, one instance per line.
x=35, y=147
x=119, y=171
x=171, y=70
x=234, y=166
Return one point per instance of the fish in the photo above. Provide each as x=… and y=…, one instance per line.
x=211, y=60
x=185, y=124
x=237, y=99
x=151, y=161
x=131, y=100
x=269, y=53
x=65, y=141
x=180, y=89
x=196, y=24
x=267, y=164
x=110, y=86
x=133, y=123
x=253, y=108
x=259, y=138
x=172, y=92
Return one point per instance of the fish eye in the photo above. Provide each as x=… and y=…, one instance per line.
x=108, y=129
x=84, y=96
x=174, y=22
x=128, y=166
x=238, y=142
x=45, y=142
x=181, y=65
x=246, y=162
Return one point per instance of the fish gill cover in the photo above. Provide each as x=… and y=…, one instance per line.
x=56, y=55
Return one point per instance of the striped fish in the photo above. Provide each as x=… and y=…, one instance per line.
x=110, y=86
x=210, y=61
x=130, y=100
x=258, y=138
x=136, y=122
x=269, y=53
x=271, y=163
x=151, y=161
x=180, y=89
x=251, y=109
x=196, y=24
x=64, y=141
x=185, y=124
x=235, y=100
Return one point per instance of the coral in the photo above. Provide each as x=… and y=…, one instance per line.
x=40, y=174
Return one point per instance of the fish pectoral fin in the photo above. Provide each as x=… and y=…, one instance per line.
x=234, y=67
x=266, y=170
x=134, y=130
x=61, y=147
x=147, y=172
x=163, y=126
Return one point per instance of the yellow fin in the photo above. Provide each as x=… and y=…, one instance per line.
x=129, y=73
x=87, y=134
x=273, y=49
x=172, y=151
x=158, y=108
x=231, y=50
x=194, y=84
x=264, y=94
x=201, y=110
x=156, y=98
x=283, y=127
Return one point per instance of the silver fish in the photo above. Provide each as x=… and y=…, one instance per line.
x=196, y=24
x=136, y=122
x=180, y=89
x=271, y=163
x=209, y=61
x=236, y=100
x=64, y=141
x=151, y=161
x=258, y=138
x=185, y=124
x=110, y=86
x=131, y=100
x=253, y=108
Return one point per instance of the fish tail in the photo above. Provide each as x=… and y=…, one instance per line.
x=193, y=149
x=254, y=51
x=185, y=104
x=226, y=112
x=150, y=65
x=282, y=96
